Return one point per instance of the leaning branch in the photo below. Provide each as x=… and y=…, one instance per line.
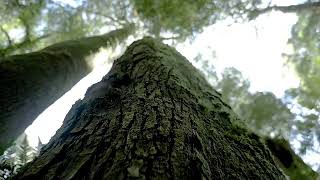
x=21, y=45
x=286, y=9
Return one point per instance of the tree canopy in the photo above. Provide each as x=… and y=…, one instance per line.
x=30, y=25
x=305, y=58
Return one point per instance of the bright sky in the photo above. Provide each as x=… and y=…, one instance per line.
x=51, y=119
x=254, y=48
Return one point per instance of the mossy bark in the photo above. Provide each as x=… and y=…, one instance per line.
x=29, y=83
x=153, y=116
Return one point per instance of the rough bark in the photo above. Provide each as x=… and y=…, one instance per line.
x=292, y=165
x=29, y=83
x=153, y=116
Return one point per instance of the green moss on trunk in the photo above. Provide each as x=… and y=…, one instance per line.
x=153, y=116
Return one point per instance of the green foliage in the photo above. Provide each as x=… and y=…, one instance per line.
x=234, y=88
x=305, y=59
x=263, y=112
x=187, y=17
x=182, y=17
x=21, y=17
x=267, y=114
x=206, y=68
x=30, y=25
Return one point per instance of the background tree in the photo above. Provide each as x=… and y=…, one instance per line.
x=25, y=152
x=31, y=82
x=263, y=111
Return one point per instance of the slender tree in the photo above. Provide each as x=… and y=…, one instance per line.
x=39, y=146
x=153, y=116
x=29, y=83
x=25, y=152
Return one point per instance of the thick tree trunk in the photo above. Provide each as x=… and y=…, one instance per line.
x=29, y=83
x=153, y=116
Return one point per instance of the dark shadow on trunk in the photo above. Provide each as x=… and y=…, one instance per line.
x=289, y=161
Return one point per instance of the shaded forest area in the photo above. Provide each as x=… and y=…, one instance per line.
x=43, y=45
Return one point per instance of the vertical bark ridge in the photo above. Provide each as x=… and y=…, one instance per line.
x=153, y=116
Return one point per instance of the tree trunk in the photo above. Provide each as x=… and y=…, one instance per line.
x=153, y=116
x=29, y=83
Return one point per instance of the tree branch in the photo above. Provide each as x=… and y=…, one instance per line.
x=285, y=9
x=25, y=43
x=7, y=35
x=27, y=28
x=170, y=38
